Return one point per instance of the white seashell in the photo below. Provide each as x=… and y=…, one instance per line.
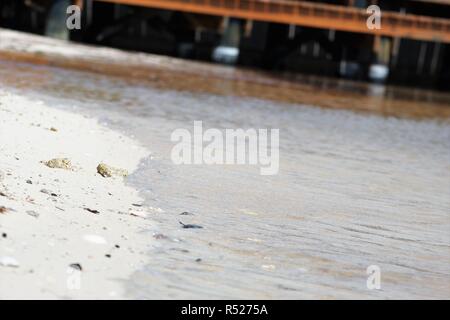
x=268, y=267
x=94, y=239
x=9, y=262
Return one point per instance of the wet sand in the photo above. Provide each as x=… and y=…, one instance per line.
x=364, y=180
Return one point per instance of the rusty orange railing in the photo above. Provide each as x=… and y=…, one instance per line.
x=309, y=14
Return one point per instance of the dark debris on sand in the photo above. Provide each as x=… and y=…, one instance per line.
x=190, y=226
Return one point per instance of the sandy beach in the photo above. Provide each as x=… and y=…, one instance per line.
x=362, y=182
x=57, y=224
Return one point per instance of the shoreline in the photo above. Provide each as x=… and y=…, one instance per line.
x=55, y=222
x=170, y=73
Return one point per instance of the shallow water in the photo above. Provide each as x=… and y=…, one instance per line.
x=354, y=189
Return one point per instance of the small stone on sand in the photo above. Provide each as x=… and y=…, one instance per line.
x=92, y=210
x=59, y=163
x=136, y=213
x=33, y=213
x=107, y=171
x=190, y=226
x=76, y=266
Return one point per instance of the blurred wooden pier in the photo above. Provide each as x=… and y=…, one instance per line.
x=410, y=44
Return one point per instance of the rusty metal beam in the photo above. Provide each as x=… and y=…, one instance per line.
x=441, y=2
x=308, y=14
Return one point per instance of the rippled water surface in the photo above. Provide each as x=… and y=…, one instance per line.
x=355, y=187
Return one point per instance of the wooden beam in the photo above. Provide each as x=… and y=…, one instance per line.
x=309, y=14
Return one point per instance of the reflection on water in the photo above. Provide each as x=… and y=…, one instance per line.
x=354, y=189
x=227, y=81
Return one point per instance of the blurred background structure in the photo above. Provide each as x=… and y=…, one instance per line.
x=329, y=38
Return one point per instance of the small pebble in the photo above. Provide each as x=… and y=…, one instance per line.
x=190, y=226
x=107, y=171
x=76, y=266
x=59, y=163
x=33, y=213
x=92, y=210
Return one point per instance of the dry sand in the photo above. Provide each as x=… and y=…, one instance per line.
x=42, y=234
